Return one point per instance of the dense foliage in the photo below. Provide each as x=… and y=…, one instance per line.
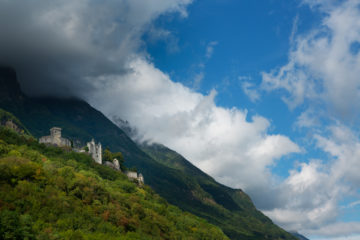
x=108, y=156
x=53, y=193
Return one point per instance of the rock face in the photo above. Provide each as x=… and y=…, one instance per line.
x=95, y=151
x=55, y=138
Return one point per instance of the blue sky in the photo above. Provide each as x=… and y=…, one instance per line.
x=261, y=95
x=229, y=42
x=248, y=37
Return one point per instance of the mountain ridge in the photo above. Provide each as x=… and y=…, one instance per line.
x=82, y=122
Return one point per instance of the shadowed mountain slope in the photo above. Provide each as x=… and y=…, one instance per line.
x=170, y=175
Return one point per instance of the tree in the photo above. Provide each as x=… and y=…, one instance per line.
x=107, y=155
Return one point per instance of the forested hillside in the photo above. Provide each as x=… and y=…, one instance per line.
x=54, y=193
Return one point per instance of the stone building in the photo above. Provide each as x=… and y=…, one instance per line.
x=134, y=175
x=95, y=151
x=55, y=138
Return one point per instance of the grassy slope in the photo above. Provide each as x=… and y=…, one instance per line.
x=50, y=193
x=80, y=121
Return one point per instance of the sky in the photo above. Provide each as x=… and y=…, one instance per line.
x=262, y=95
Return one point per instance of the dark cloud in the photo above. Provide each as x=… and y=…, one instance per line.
x=57, y=46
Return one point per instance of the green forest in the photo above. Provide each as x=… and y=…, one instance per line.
x=55, y=193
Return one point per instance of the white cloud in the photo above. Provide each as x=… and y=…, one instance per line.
x=338, y=231
x=321, y=64
x=344, y=147
x=232, y=149
x=310, y=199
x=220, y=141
x=323, y=72
x=168, y=37
x=353, y=237
x=308, y=118
x=294, y=29
x=250, y=90
x=197, y=80
x=313, y=192
x=353, y=204
x=210, y=49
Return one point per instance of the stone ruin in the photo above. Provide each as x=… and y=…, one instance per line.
x=135, y=176
x=95, y=151
x=55, y=138
x=130, y=174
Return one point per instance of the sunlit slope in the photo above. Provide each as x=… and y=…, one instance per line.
x=53, y=193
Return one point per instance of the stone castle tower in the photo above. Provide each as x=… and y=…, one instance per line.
x=55, y=138
x=95, y=151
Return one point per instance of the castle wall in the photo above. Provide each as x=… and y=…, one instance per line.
x=131, y=174
x=134, y=175
x=95, y=151
x=55, y=140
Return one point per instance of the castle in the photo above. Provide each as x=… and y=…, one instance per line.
x=95, y=151
x=55, y=138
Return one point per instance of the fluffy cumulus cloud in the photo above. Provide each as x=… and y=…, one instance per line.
x=323, y=71
x=325, y=63
x=313, y=191
x=220, y=141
